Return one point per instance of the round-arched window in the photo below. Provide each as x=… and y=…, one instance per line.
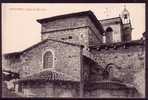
x=109, y=29
x=109, y=35
x=48, y=60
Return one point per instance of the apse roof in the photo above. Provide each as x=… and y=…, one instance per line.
x=48, y=75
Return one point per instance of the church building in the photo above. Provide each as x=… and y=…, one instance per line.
x=81, y=56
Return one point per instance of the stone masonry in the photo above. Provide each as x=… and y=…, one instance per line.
x=76, y=43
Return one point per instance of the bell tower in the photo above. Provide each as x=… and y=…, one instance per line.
x=127, y=28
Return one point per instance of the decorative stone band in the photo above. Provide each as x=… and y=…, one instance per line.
x=112, y=86
x=108, y=84
x=48, y=75
x=117, y=45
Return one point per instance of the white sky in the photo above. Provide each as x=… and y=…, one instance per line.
x=20, y=29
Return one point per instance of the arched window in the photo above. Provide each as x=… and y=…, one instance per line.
x=109, y=29
x=48, y=60
x=109, y=35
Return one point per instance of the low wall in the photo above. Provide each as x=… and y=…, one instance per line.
x=110, y=89
x=50, y=89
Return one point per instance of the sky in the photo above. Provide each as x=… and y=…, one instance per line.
x=20, y=29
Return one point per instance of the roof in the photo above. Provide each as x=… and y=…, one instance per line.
x=78, y=14
x=9, y=75
x=111, y=20
x=9, y=71
x=118, y=44
x=12, y=54
x=54, y=41
x=33, y=46
x=48, y=75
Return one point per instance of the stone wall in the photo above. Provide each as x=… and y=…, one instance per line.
x=66, y=89
x=81, y=29
x=50, y=89
x=110, y=89
x=130, y=62
x=60, y=89
x=127, y=30
x=71, y=36
x=110, y=93
x=91, y=70
x=66, y=58
x=95, y=32
x=36, y=89
x=94, y=39
x=11, y=63
x=116, y=26
x=66, y=23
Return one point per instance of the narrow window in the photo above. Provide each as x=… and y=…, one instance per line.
x=70, y=37
x=48, y=60
x=109, y=35
x=125, y=16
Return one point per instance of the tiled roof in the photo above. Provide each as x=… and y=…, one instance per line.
x=48, y=75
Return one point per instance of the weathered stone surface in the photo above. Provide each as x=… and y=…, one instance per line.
x=130, y=62
x=127, y=64
x=74, y=30
x=12, y=63
x=74, y=34
x=50, y=89
x=66, y=58
x=64, y=24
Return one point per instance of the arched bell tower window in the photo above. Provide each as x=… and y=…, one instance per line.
x=125, y=16
x=48, y=60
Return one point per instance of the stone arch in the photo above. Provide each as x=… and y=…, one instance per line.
x=48, y=59
x=109, y=29
x=111, y=65
x=112, y=72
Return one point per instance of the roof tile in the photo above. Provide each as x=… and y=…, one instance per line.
x=48, y=75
